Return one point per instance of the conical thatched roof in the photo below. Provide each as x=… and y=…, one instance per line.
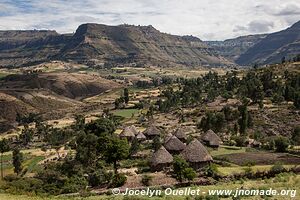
x=152, y=131
x=161, y=156
x=134, y=129
x=211, y=137
x=174, y=144
x=195, y=152
x=127, y=132
x=167, y=137
x=140, y=136
x=180, y=134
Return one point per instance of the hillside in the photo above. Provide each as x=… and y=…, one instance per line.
x=273, y=47
x=18, y=48
x=233, y=48
x=98, y=45
x=71, y=85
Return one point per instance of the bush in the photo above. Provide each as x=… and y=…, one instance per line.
x=118, y=180
x=212, y=170
x=281, y=144
x=189, y=173
x=277, y=168
x=146, y=180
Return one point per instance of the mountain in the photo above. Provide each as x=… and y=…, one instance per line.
x=97, y=44
x=233, y=48
x=18, y=48
x=139, y=45
x=273, y=47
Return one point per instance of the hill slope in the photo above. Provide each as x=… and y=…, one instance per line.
x=273, y=47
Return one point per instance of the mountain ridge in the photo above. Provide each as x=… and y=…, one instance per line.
x=273, y=47
x=103, y=45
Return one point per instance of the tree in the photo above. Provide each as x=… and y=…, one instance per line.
x=156, y=144
x=17, y=161
x=179, y=166
x=57, y=137
x=243, y=121
x=182, y=170
x=115, y=149
x=212, y=170
x=296, y=135
x=126, y=95
x=87, y=149
x=281, y=144
x=135, y=146
x=189, y=173
x=4, y=147
x=79, y=122
x=27, y=135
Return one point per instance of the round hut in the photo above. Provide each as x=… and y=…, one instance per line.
x=161, y=160
x=210, y=138
x=151, y=132
x=180, y=134
x=127, y=133
x=134, y=129
x=140, y=137
x=174, y=145
x=167, y=137
x=196, y=154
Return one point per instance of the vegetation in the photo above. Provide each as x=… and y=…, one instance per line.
x=182, y=170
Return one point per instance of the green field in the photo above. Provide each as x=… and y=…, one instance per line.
x=223, y=150
x=30, y=163
x=126, y=113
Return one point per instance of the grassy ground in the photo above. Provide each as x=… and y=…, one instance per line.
x=223, y=150
x=126, y=113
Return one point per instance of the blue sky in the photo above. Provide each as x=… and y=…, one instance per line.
x=206, y=19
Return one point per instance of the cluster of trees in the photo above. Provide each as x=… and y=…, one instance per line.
x=123, y=100
x=98, y=150
x=255, y=85
x=17, y=156
x=155, y=82
x=217, y=121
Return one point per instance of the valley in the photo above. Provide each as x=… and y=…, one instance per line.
x=130, y=107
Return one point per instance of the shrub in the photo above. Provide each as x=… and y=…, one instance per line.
x=118, y=180
x=189, y=173
x=281, y=144
x=277, y=168
x=146, y=180
x=212, y=171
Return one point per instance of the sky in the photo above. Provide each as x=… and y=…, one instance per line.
x=206, y=19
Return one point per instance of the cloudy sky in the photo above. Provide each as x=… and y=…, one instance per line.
x=206, y=19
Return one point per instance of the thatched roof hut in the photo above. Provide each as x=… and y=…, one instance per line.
x=161, y=159
x=196, y=154
x=174, y=145
x=134, y=129
x=140, y=137
x=167, y=137
x=211, y=138
x=180, y=134
x=127, y=133
x=151, y=132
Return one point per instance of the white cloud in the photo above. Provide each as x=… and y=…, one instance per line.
x=206, y=19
